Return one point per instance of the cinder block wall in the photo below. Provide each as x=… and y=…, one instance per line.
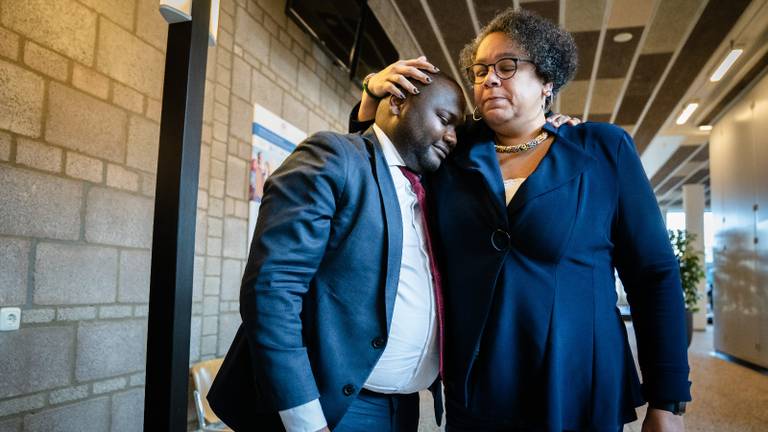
x=80, y=101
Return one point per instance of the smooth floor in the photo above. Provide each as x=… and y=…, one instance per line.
x=727, y=397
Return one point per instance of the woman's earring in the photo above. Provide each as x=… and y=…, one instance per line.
x=476, y=114
x=547, y=101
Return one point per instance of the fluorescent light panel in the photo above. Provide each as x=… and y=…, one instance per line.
x=730, y=59
x=687, y=112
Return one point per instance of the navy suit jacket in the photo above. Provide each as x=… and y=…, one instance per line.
x=319, y=286
x=533, y=335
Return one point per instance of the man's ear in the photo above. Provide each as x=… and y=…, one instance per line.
x=396, y=105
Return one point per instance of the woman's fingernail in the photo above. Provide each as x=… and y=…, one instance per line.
x=437, y=69
x=429, y=80
x=415, y=91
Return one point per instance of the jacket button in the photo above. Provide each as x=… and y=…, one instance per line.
x=378, y=342
x=348, y=390
x=500, y=240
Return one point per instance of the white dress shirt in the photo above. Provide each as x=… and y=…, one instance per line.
x=410, y=361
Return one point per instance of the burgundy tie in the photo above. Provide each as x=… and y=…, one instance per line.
x=418, y=189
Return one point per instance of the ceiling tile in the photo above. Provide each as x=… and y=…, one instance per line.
x=604, y=95
x=573, y=96
x=644, y=79
x=647, y=71
x=668, y=185
x=454, y=26
x=702, y=155
x=617, y=56
x=630, y=13
x=631, y=108
x=669, y=25
x=678, y=157
x=584, y=15
x=487, y=9
x=602, y=117
x=587, y=45
x=548, y=9
x=687, y=168
x=416, y=19
x=627, y=128
x=699, y=176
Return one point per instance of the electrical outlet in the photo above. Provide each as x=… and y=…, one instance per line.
x=10, y=318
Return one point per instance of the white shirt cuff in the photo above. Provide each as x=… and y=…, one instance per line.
x=304, y=418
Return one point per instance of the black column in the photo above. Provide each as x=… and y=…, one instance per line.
x=173, y=244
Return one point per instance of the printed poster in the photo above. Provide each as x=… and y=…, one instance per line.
x=273, y=140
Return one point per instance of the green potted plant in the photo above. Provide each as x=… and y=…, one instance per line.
x=691, y=272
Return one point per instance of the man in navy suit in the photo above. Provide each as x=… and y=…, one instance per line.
x=340, y=298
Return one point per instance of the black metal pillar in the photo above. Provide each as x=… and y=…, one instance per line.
x=173, y=244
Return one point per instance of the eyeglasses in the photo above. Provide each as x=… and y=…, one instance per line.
x=504, y=68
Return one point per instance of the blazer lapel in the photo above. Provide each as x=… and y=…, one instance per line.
x=563, y=162
x=481, y=158
x=393, y=223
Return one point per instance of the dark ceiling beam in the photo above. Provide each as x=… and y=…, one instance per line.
x=548, y=9
x=455, y=26
x=618, y=55
x=416, y=19
x=679, y=157
x=486, y=10
x=695, y=176
x=649, y=69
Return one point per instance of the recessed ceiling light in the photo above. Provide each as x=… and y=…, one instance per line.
x=726, y=64
x=623, y=37
x=705, y=128
x=687, y=113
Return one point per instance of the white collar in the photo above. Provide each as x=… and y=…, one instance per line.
x=391, y=154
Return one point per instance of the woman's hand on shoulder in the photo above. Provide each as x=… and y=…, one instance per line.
x=558, y=119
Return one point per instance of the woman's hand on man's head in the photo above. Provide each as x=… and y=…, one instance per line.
x=394, y=79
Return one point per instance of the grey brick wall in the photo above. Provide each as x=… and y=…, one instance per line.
x=81, y=87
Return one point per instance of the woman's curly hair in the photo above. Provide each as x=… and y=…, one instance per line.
x=551, y=48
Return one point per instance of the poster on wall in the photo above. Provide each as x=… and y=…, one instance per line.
x=273, y=140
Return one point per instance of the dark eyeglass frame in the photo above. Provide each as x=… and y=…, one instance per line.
x=474, y=79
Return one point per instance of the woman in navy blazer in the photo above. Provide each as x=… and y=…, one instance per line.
x=532, y=221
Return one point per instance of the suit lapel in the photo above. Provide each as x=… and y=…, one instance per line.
x=393, y=222
x=480, y=157
x=563, y=162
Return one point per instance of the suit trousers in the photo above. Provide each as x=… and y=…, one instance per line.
x=378, y=412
